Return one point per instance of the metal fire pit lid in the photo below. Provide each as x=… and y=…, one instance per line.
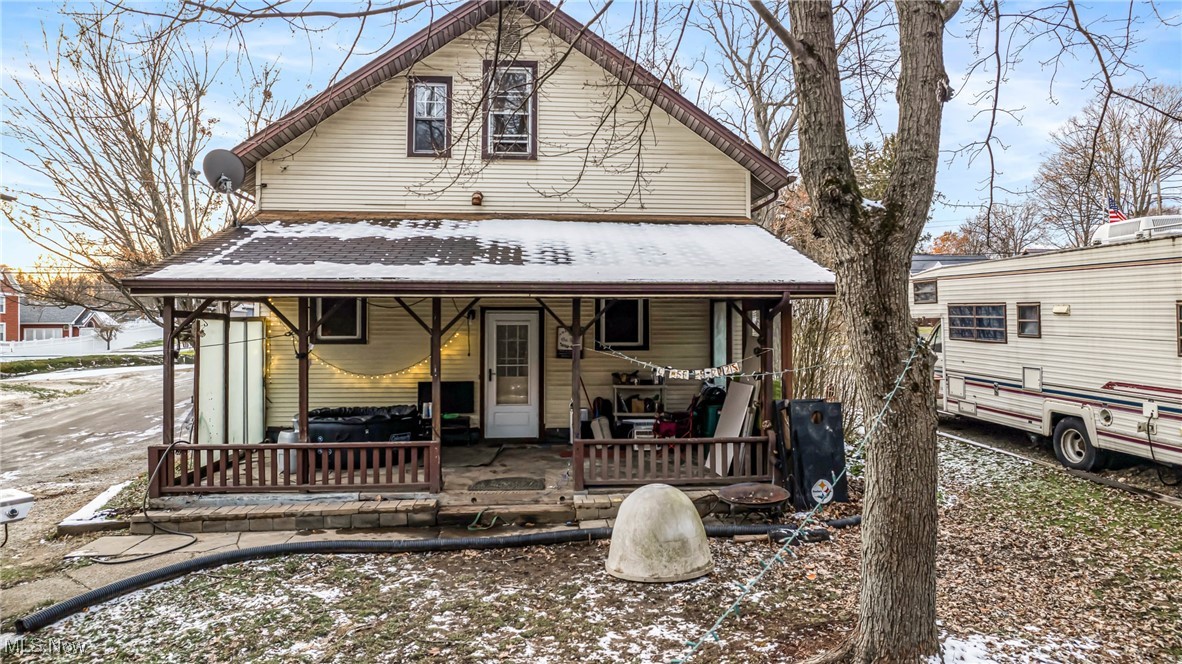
x=753, y=494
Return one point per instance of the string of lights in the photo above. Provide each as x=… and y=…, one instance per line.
x=387, y=374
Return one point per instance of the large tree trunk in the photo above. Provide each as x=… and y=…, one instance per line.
x=872, y=245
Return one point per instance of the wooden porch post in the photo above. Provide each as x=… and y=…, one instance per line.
x=767, y=363
x=576, y=416
x=786, y=379
x=226, y=374
x=169, y=424
x=302, y=350
x=576, y=334
x=436, y=478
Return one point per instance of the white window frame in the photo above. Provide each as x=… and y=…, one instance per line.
x=491, y=138
x=444, y=116
x=643, y=326
x=359, y=336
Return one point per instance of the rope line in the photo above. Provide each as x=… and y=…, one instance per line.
x=733, y=609
x=754, y=374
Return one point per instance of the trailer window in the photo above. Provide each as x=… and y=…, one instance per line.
x=977, y=322
x=1030, y=320
x=924, y=292
x=1179, y=312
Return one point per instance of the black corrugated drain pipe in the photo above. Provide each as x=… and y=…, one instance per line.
x=52, y=614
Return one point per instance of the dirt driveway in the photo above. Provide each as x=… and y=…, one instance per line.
x=65, y=437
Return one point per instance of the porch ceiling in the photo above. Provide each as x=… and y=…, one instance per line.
x=383, y=254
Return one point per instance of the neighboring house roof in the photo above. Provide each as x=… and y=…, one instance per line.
x=487, y=255
x=40, y=313
x=769, y=176
x=8, y=283
x=921, y=262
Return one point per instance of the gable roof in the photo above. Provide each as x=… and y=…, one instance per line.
x=43, y=313
x=768, y=175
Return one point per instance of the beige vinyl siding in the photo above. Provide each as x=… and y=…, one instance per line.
x=679, y=337
x=1121, y=328
x=356, y=159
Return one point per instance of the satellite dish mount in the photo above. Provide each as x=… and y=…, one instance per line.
x=224, y=171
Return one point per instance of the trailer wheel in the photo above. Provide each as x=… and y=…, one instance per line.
x=1073, y=448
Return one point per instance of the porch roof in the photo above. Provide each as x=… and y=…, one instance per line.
x=383, y=254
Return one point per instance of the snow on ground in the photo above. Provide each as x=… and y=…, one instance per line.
x=75, y=374
x=1033, y=566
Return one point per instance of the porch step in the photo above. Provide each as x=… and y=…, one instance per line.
x=291, y=516
x=464, y=515
x=393, y=513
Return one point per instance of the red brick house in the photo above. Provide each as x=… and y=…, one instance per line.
x=10, y=306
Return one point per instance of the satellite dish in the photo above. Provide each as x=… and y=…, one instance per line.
x=224, y=170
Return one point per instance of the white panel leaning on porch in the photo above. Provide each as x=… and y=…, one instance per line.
x=730, y=425
x=244, y=383
x=658, y=538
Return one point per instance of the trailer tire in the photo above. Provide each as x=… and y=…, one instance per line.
x=1073, y=447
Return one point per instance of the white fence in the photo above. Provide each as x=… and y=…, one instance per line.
x=130, y=334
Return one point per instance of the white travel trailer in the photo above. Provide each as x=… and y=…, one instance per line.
x=1083, y=345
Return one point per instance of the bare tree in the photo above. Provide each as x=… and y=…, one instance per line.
x=107, y=330
x=760, y=99
x=1125, y=153
x=1012, y=229
x=113, y=124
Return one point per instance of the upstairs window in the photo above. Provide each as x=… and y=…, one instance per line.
x=430, y=117
x=924, y=292
x=511, y=122
x=1030, y=320
x=345, y=323
x=977, y=322
x=624, y=326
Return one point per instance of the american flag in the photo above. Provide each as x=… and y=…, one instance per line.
x=1114, y=213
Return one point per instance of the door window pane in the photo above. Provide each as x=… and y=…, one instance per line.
x=512, y=363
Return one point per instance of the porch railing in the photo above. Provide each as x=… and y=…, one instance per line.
x=675, y=461
x=307, y=467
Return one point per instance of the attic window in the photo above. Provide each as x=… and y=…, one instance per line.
x=511, y=111
x=430, y=117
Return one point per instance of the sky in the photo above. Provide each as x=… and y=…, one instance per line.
x=1042, y=99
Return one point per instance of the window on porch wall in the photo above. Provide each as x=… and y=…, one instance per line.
x=624, y=326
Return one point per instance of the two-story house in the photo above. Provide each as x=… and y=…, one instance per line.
x=10, y=306
x=503, y=225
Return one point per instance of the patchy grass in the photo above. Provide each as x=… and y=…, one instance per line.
x=38, y=392
x=1033, y=565
x=150, y=343
x=130, y=498
x=30, y=367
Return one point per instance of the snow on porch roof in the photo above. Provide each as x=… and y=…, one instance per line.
x=505, y=252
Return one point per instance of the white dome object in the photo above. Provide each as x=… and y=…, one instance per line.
x=658, y=538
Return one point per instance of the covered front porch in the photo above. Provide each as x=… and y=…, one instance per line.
x=237, y=444
x=307, y=383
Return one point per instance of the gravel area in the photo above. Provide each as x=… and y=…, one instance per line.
x=1034, y=565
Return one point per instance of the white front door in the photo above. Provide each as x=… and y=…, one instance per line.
x=512, y=394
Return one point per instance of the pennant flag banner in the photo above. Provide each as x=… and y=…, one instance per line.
x=698, y=374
